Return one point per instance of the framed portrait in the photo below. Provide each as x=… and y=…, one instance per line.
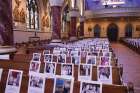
x=85, y=72
x=34, y=67
x=104, y=74
x=36, y=83
x=61, y=58
x=48, y=58
x=91, y=60
x=1, y=70
x=63, y=84
x=50, y=69
x=105, y=61
x=36, y=57
x=46, y=52
x=13, y=83
x=90, y=87
x=67, y=69
x=75, y=60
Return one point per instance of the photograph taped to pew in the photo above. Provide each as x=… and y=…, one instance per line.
x=67, y=69
x=34, y=67
x=75, y=60
x=56, y=52
x=48, y=58
x=36, y=83
x=83, y=53
x=46, y=52
x=93, y=53
x=36, y=57
x=91, y=60
x=85, y=72
x=61, y=58
x=75, y=53
x=104, y=74
x=105, y=61
x=90, y=87
x=13, y=83
x=63, y=84
x=1, y=70
x=63, y=51
x=107, y=54
x=50, y=69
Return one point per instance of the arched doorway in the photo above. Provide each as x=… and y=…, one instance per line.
x=112, y=32
x=97, y=30
x=128, y=30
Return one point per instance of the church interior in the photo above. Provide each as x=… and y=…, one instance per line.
x=69, y=46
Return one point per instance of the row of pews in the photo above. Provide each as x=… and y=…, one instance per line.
x=23, y=61
x=133, y=43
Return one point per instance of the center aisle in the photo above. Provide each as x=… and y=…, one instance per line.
x=131, y=64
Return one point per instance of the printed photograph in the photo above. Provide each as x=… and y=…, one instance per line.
x=46, y=52
x=13, y=83
x=34, y=67
x=89, y=87
x=85, y=72
x=107, y=54
x=74, y=53
x=14, y=78
x=50, y=68
x=61, y=58
x=91, y=60
x=1, y=70
x=67, y=69
x=105, y=61
x=48, y=58
x=36, y=57
x=63, y=85
x=75, y=60
x=36, y=82
x=105, y=74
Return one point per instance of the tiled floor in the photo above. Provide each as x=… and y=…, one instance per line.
x=131, y=64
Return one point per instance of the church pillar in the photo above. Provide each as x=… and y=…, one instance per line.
x=6, y=26
x=74, y=13
x=82, y=19
x=56, y=6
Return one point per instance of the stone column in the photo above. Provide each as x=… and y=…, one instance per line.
x=56, y=6
x=74, y=13
x=82, y=19
x=6, y=25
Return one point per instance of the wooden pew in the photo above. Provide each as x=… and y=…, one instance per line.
x=50, y=83
x=24, y=66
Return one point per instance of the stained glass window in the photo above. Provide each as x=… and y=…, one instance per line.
x=32, y=19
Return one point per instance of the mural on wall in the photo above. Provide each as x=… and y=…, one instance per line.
x=45, y=21
x=18, y=15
